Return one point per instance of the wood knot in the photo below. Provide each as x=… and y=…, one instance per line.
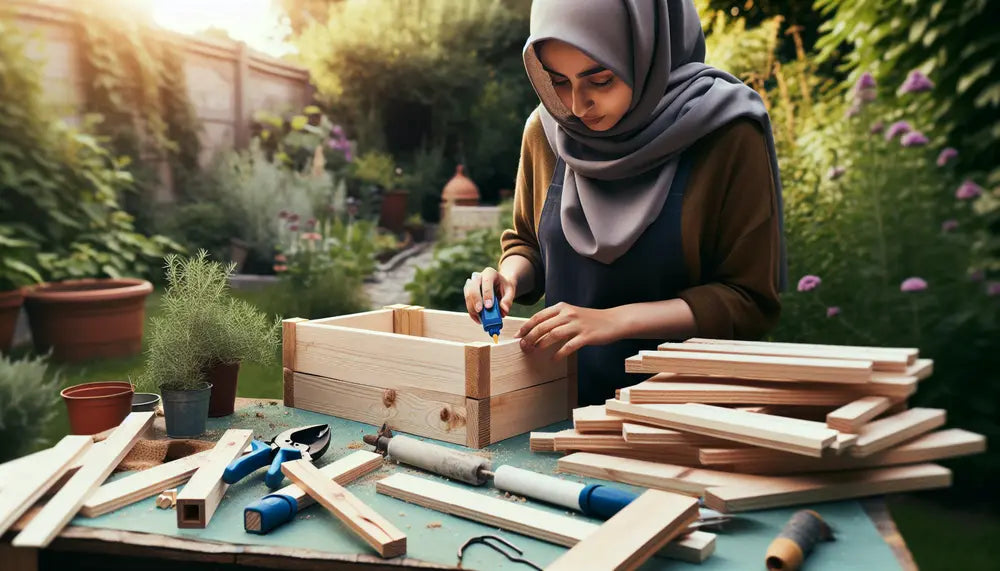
x=388, y=397
x=445, y=415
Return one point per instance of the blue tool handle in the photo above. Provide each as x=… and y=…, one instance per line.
x=490, y=318
x=240, y=467
x=274, y=475
x=603, y=501
x=268, y=513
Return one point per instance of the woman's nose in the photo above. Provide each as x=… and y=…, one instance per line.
x=581, y=103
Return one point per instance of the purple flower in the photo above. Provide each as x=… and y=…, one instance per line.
x=293, y=227
x=949, y=225
x=877, y=128
x=832, y=311
x=968, y=190
x=946, y=155
x=896, y=129
x=913, y=284
x=338, y=131
x=836, y=172
x=348, y=156
x=852, y=111
x=993, y=289
x=916, y=82
x=865, y=88
x=283, y=214
x=809, y=283
x=913, y=139
x=977, y=275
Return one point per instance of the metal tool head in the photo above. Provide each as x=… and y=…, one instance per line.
x=380, y=440
x=312, y=440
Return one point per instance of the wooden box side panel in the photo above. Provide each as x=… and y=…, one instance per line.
x=377, y=359
x=457, y=326
x=512, y=369
x=421, y=412
x=377, y=320
x=517, y=412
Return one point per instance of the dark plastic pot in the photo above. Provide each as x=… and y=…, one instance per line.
x=96, y=407
x=186, y=411
x=224, y=378
x=145, y=402
x=10, y=308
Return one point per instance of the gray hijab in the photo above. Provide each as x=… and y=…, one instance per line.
x=617, y=180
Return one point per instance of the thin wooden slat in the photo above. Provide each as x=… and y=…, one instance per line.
x=881, y=360
x=98, y=464
x=760, y=367
x=360, y=518
x=788, y=434
x=594, y=418
x=851, y=416
x=375, y=320
x=892, y=430
x=910, y=353
x=542, y=442
x=637, y=532
x=458, y=326
x=800, y=490
x=529, y=521
x=666, y=389
x=639, y=434
x=661, y=476
x=29, y=483
x=198, y=500
x=571, y=440
x=141, y=485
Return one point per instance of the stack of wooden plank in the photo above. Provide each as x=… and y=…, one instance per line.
x=752, y=425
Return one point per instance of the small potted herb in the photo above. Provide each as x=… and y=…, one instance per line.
x=198, y=342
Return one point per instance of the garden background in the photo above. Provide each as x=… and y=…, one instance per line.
x=886, y=116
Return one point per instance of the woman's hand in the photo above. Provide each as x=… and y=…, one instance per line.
x=479, y=292
x=570, y=326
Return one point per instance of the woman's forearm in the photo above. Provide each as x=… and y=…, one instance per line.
x=519, y=271
x=671, y=319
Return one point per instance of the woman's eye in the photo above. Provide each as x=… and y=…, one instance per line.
x=602, y=82
x=560, y=82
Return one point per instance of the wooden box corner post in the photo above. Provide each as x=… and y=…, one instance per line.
x=288, y=358
x=197, y=501
x=407, y=319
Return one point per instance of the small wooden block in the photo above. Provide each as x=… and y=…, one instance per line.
x=167, y=499
x=542, y=442
x=198, y=500
x=368, y=524
x=891, y=430
x=851, y=417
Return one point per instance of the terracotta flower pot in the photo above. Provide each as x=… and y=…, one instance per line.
x=88, y=319
x=10, y=308
x=96, y=407
x=393, y=213
x=223, y=377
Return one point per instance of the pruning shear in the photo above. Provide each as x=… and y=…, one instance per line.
x=305, y=442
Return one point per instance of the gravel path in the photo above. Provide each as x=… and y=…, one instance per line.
x=388, y=287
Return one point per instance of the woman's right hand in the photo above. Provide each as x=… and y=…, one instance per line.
x=482, y=288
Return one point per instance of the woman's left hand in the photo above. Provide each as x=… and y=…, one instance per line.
x=570, y=326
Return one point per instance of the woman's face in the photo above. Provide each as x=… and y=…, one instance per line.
x=596, y=96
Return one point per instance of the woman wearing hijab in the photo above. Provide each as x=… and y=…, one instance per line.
x=648, y=200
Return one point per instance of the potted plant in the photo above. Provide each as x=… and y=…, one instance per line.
x=15, y=273
x=200, y=339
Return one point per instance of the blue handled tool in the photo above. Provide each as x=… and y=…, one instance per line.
x=491, y=320
x=309, y=442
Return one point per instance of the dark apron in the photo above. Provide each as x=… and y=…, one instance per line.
x=651, y=270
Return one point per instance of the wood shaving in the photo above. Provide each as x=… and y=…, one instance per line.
x=434, y=525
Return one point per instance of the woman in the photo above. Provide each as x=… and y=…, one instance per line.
x=648, y=201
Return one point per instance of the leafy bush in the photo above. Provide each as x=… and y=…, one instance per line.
x=330, y=294
x=293, y=141
x=202, y=324
x=201, y=225
x=29, y=398
x=15, y=267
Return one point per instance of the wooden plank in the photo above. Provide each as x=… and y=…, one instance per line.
x=594, y=418
x=661, y=476
x=639, y=434
x=872, y=352
x=375, y=320
x=408, y=409
x=892, y=430
x=360, y=518
x=939, y=445
x=288, y=341
x=542, y=442
x=526, y=409
x=98, y=464
x=637, y=532
x=614, y=444
x=844, y=441
x=458, y=326
x=892, y=361
x=512, y=369
x=141, y=485
x=760, y=367
x=851, y=416
x=529, y=521
x=377, y=359
x=800, y=490
x=413, y=315
x=342, y=471
x=788, y=434
x=892, y=385
x=198, y=500
x=27, y=484
x=683, y=389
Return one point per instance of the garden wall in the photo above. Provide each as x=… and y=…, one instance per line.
x=227, y=82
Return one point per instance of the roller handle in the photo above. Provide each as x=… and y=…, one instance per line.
x=238, y=469
x=603, y=501
x=796, y=540
x=268, y=513
x=274, y=476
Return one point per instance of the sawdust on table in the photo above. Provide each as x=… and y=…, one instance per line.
x=356, y=445
x=433, y=525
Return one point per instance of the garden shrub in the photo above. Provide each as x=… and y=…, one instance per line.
x=29, y=397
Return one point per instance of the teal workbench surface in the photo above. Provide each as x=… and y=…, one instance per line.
x=435, y=537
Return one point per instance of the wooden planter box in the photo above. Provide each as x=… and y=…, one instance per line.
x=425, y=372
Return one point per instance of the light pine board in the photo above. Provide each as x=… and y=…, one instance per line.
x=532, y=522
x=870, y=352
x=458, y=326
x=198, y=500
x=594, y=418
x=376, y=320
x=852, y=416
x=788, y=434
x=637, y=532
x=891, y=430
x=641, y=434
x=881, y=361
x=512, y=369
x=98, y=464
x=805, y=490
x=28, y=484
x=522, y=410
x=141, y=485
x=726, y=391
x=760, y=367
